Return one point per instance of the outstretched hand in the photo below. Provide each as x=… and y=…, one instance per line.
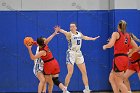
x=97, y=37
x=57, y=29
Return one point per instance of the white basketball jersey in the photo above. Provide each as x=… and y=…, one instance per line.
x=36, y=60
x=75, y=41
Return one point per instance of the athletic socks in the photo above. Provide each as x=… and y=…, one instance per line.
x=87, y=87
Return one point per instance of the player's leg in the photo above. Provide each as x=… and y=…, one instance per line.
x=113, y=83
x=70, y=68
x=38, y=71
x=70, y=60
x=49, y=82
x=56, y=81
x=119, y=81
x=82, y=68
x=54, y=70
x=44, y=88
x=126, y=75
x=41, y=78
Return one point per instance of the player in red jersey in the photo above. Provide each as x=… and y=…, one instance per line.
x=133, y=67
x=51, y=66
x=121, y=41
x=38, y=71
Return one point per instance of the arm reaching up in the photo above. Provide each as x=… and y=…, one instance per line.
x=47, y=40
x=67, y=34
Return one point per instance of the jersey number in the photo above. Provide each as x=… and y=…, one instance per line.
x=78, y=42
x=126, y=41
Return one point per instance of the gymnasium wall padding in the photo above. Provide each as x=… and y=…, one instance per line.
x=17, y=68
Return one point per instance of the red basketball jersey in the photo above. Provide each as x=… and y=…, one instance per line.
x=122, y=44
x=48, y=55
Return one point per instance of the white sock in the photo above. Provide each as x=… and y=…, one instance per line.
x=129, y=92
x=66, y=88
x=87, y=87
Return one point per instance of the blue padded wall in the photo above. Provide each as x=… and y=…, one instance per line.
x=17, y=68
x=8, y=54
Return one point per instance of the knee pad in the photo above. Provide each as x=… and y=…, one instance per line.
x=56, y=81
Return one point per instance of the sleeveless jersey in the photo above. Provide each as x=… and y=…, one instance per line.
x=122, y=44
x=48, y=55
x=75, y=41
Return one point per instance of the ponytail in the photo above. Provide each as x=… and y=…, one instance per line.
x=122, y=26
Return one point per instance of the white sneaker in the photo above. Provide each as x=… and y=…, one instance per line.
x=86, y=91
x=66, y=92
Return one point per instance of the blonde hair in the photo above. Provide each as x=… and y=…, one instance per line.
x=122, y=25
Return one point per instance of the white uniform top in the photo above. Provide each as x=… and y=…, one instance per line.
x=75, y=41
x=37, y=50
x=38, y=64
x=74, y=55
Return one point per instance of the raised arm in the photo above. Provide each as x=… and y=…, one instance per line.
x=47, y=40
x=89, y=38
x=67, y=34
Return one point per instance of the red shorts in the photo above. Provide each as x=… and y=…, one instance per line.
x=120, y=63
x=135, y=67
x=51, y=67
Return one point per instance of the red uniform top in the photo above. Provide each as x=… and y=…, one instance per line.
x=51, y=66
x=122, y=44
x=48, y=55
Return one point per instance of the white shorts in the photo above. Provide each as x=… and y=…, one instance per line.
x=38, y=66
x=74, y=57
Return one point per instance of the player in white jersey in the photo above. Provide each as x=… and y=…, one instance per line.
x=74, y=54
x=38, y=71
x=38, y=64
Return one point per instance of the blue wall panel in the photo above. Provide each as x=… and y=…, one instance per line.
x=26, y=26
x=94, y=23
x=8, y=51
x=130, y=16
x=46, y=23
x=19, y=76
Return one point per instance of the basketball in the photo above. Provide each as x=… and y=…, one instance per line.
x=28, y=41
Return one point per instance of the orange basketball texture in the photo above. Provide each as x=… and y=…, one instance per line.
x=28, y=41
